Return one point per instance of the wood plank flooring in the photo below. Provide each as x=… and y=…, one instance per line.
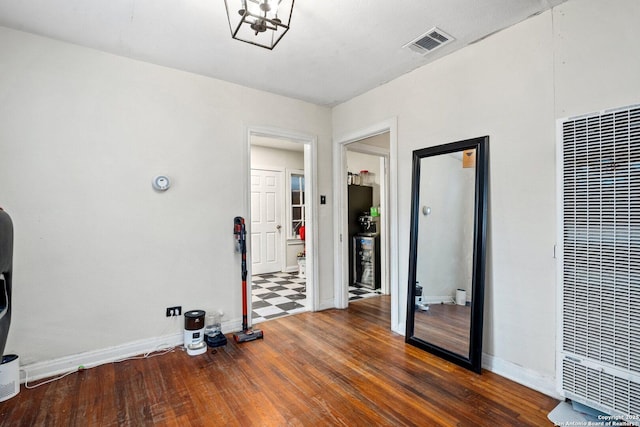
x=335, y=367
x=445, y=325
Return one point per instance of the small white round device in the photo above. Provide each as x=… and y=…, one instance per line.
x=161, y=183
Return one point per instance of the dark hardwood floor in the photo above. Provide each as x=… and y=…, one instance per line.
x=335, y=367
x=445, y=325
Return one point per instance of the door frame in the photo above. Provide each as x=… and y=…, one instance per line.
x=341, y=273
x=311, y=212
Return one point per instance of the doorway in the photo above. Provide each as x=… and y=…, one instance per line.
x=366, y=212
x=389, y=223
x=279, y=225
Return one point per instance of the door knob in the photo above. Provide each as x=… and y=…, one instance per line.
x=278, y=226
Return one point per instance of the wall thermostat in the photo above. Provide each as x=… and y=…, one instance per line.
x=161, y=183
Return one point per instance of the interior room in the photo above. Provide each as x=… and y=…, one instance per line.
x=364, y=194
x=130, y=135
x=278, y=281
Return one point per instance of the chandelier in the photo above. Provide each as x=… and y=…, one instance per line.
x=259, y=22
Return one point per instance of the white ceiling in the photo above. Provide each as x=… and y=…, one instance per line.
x=335, y=49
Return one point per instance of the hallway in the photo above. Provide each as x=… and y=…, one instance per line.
x=281, y=294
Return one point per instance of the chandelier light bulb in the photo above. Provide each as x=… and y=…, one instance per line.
x=265, y=6
x=273, y=6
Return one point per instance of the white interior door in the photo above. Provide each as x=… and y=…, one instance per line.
x=266, y=221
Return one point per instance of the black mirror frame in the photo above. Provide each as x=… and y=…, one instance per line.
x=481, y=144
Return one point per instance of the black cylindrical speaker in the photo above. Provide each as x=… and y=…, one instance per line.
x=194, y=320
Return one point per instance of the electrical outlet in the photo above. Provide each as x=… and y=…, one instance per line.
x=174, y=311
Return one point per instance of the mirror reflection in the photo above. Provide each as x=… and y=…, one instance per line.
x=445, y=252
x=446, y=271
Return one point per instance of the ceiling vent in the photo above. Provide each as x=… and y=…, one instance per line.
x=429, y=41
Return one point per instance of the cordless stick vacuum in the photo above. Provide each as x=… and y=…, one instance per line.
x=247, y=334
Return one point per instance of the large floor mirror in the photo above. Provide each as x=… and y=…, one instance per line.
x=447, y=250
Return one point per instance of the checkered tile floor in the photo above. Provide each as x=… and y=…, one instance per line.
x=277, y=294
x=280, y=294
x=358, y=292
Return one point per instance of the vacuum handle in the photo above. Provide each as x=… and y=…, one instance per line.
x=240, y=232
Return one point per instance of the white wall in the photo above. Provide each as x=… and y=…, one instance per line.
x=98, y=254
x=357, y=162
x=512, y=86
x=265, y=157
x=597, y=56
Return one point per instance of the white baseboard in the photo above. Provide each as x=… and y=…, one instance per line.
x=437, y=299
x=91, y=359
x=526, y=377
x=95, y=358
x=326, y=304
x=400, y=329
